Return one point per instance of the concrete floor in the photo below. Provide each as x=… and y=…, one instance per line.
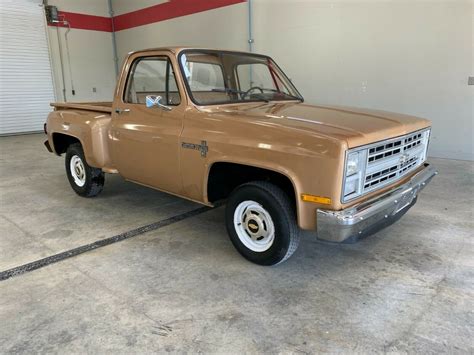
x=184, y=288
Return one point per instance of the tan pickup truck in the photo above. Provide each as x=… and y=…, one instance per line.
x=210, y=125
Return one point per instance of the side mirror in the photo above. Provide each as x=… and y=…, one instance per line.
x=155, y=101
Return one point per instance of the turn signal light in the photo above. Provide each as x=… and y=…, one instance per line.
x=316, y=199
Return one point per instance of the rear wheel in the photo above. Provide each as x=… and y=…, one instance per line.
x=261, y=223
x=85, y=180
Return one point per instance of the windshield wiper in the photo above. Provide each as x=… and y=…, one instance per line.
x=284, y=93
x=299, y=98
x=240, y=92
x=261, y=97
x=228, y=91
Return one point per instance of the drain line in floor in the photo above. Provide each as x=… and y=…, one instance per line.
x=4, y=275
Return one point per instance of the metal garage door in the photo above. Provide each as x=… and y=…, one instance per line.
x=26, y=84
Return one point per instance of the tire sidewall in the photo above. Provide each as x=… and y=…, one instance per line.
x=280, y=218
x=72, y=151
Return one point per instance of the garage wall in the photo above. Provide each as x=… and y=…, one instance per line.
x=126, y=6
x=411, y=56
x=223, y=27
x=91, y=53
x=26, y=85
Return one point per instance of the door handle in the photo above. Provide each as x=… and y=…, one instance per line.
x=120, y=111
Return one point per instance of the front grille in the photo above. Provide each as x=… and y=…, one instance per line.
x=390, y=160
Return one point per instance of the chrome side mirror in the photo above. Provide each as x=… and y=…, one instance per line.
x=155, y=101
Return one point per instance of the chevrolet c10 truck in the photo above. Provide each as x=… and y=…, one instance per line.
x=211, y=125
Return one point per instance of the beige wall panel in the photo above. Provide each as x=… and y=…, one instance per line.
x=125, y=6
x=225, y=28
x=91, y=55
x=92, y=66
x=89, y=7
x=405, y=56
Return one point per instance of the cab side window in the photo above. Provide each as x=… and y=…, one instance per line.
x=152, y=76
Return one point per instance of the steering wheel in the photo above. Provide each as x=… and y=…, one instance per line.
x=247, y=93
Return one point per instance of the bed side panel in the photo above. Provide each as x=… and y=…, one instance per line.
x=90, y=128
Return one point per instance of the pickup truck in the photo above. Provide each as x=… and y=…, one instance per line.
x=211, y=125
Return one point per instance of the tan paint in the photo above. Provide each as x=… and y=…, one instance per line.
x=303, y=142
x=85, y=106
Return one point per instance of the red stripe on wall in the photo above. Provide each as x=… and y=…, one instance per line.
x=167, y=11
x=152, y=14
x=84, y=22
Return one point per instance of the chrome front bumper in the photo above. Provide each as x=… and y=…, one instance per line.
x=370, y=216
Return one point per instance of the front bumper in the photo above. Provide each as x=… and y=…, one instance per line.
x=370, y=216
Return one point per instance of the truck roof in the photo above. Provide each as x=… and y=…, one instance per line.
x=177, y=49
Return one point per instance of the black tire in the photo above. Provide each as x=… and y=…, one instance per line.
x=94, y=177
x=279, y=207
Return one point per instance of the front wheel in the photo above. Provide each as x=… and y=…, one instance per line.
x=85, y=180
x=261, y=223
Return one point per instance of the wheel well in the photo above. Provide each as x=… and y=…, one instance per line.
x=225, y=177
x=62, y=141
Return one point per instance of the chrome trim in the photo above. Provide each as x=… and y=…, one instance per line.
x=337, y=226
x=155, y=101
x=419, y=153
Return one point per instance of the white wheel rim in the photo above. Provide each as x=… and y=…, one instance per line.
x=254, y=226
x=78, y=172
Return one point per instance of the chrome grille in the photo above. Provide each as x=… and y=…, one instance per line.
x=390, y=160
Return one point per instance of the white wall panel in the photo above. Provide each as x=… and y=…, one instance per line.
x=89, y=7
x=223, y=28
x=91, y=63
x=407, y=56
x=126, y=6
x=90, y=66
x=412, y=57
x=26, y=85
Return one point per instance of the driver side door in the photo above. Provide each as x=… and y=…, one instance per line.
x=146, y=139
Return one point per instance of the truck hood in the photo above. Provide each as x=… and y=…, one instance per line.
x=354, y=125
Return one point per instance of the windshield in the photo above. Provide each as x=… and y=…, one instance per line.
x=216, y=77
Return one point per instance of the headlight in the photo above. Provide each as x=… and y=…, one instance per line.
x=353, y=165
x=351, y=187
x=353, y=173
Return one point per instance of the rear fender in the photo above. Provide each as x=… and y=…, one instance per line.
x=89, y=128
